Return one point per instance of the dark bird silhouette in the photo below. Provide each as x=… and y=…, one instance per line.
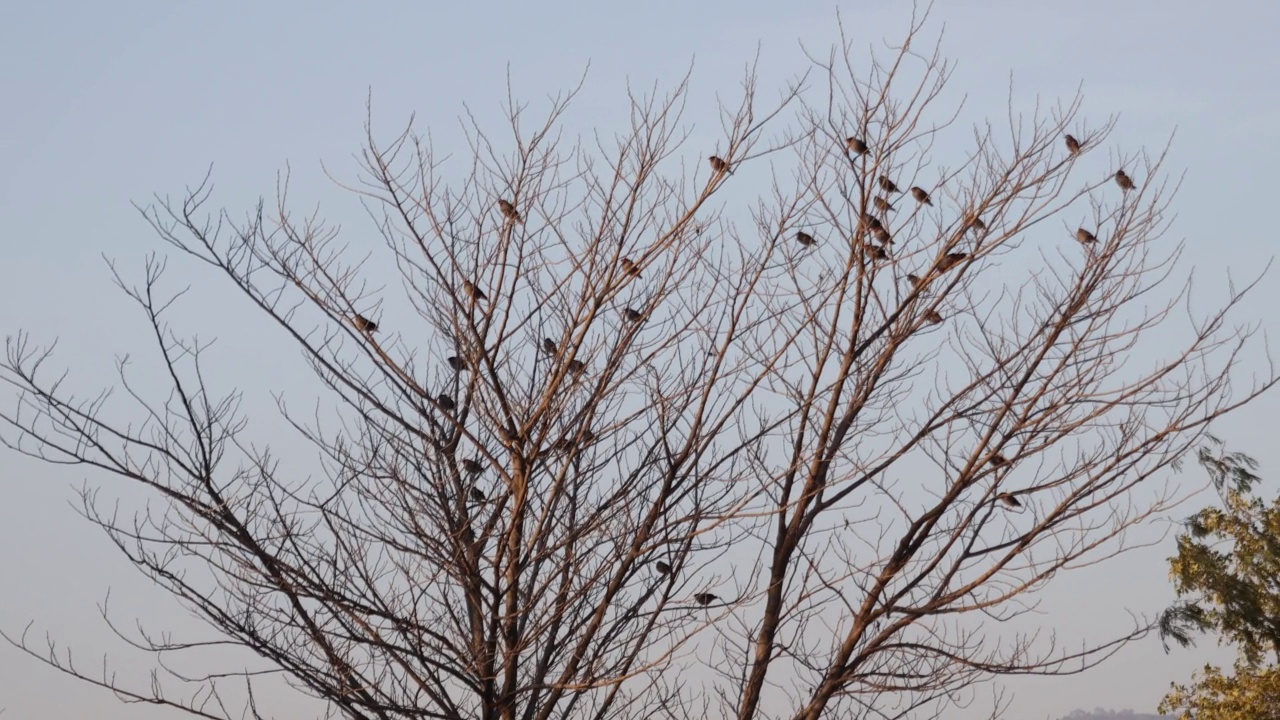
x=457, y=363
x=951, y=260
x=1073, y=145
x=549, y=346
x=662, y=568
x=629, y=267
x=881, y=204
x=1086, y=237
x=473, y=292
x=364, y=324
x=856, y=145
x=876, y=252
x=472, y=467
x=476, y=495
x=446, y=402
x=1124, y=181
x=932, y=317
x=509, y=211
x=577, y=367
x=632, y=315
x=871, y=221
x=805, y=238
x=705, y=598
x=975, y=222
x=718, y=164
x=1009, y=500
x=887, y=185
x=882, y=235
x=998, y=460
x=916, y=282
x=921, y=196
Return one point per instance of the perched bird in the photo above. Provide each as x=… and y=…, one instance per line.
x=876, y=252
x=445, y=402
x=1086, y=237
x=507, y=435
x=577, y=367
x=856, y=145
x=364, y=324
x=662, y=568
x=632, y=315
x=1124, y=181
x=549, y=346
x=975, y=222
x=1009, y=500
x=887, y=185
x=476, y=495
x=629, y=267
x=588, y=436
x=457, y=363
x=882, y=205
x=998, y=460
x=871, y=221
x=474, y=292
x=564, y=444
x=718, y=164
x=1073, y=145
x=932, y=317
x=472, y=467
x=916, y=282
x=705, y=598
x=951, y=260
x=882, y=235
x=805, y=238
x=920, y=195
x=508, y=211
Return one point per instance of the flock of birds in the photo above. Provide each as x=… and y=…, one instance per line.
x=873, y=225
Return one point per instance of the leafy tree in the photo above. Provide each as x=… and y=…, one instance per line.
x=1227, y=576
x=623, y=447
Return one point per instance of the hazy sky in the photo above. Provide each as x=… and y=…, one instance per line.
x=108, y=103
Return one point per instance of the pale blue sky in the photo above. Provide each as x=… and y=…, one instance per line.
x=106, y=103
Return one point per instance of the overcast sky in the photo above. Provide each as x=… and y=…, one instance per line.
x=108, y=103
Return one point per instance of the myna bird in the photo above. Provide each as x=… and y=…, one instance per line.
x=975, y=222
x=951, y=260
x=473, y=292
x=508, y=211
x=921, y=196
x=871, y=221
x=856, y=145
x=577, y=367
x=916, y=282
x=705, y=598
x=632, y=315
x=549, y=346
x=876, y=252
x=662, y=568
x=805, y=238
x=629, y=267
x=507, y=435
x=1009, y=500
x=1073, y=145
x=364, y=324
x=457, y=363
x=1124, y=181
x=472, y=467
x=882, y=236
x=998, y=460
x=1086, y=237
x=932, y=317
x=446, y=402
x=477, y=496
x=887, y=185
x=881, y=204
x=718, y=164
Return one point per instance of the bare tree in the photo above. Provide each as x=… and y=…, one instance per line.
x=623, y=451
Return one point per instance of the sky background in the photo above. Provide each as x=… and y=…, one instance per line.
x=105, y=104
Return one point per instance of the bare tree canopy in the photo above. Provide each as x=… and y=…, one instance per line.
x=625, y=448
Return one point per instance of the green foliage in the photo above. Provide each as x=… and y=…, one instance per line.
x=1227, y=577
